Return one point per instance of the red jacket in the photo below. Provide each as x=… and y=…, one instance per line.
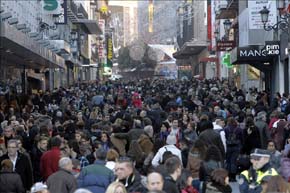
x=189, y=189
x=49, y=162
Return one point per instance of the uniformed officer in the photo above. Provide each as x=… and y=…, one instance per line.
x=250, y=180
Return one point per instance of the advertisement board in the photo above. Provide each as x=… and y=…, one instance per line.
x=255, y=21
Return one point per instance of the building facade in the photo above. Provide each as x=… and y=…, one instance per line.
x=192, y=39
x=157, y=26
x=43, y=45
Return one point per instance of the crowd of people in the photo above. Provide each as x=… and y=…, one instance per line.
x=146, y=136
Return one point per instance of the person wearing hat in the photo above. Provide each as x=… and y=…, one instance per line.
x=170, y=146
x=261, y=169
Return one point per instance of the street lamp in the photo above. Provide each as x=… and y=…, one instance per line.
x=264, y=15
x=227, y=25
x=280, y=4
x=282, y=24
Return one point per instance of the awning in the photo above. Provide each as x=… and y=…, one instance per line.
x=229, y=12
x=190, y=49
x=225, y=13
x=70, y=60
x=90, y=26
x=20, y=50
x=252, y=55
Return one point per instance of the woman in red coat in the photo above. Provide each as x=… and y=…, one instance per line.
x=136, y=100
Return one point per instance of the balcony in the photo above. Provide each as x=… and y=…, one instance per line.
x=21, y=49
x=229, y=11
x=190, y=49
x=82, y=13
x=78, y=15
x=76, y=11
x=62, y=45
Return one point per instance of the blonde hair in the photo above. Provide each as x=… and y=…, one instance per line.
x=112, y=155
x=113, y=186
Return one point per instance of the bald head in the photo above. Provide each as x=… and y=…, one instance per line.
x=154, y=181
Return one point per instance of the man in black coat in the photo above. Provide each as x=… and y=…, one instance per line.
x=21, y=163
x=127, y=175
x=211, y=137
x=173, y=167
x=36, y=154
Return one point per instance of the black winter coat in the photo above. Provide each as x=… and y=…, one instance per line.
x=134, y=184
x=10, y=182
x=35, y=159
x=251, y=139
x=23, y=168
x=211, y=137
x=170, y=185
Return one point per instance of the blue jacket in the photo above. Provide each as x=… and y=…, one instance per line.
x=96, y=177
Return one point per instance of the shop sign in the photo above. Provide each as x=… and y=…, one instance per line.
x=109, y=51
x=51, y=6
x=270, y=49
x=225, y=45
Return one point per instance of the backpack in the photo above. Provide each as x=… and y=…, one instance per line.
x=219, y=130
x=232, y=138
x=166, y=155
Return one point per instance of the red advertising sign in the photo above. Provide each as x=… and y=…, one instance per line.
x=225, y=45
x=209, y=27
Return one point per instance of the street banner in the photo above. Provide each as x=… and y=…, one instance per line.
x=150, y=16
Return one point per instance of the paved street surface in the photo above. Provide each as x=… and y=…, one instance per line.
x=235, y=187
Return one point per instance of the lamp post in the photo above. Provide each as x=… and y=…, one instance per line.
x=282, y=24
x=227, y=26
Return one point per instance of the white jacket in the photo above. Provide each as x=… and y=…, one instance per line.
x=159, y=155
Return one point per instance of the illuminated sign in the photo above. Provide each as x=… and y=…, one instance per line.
x=150, y=15
x=50, y=5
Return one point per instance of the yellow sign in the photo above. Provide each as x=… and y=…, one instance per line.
x=104, y=9
x=150, y=17
x=110, y=49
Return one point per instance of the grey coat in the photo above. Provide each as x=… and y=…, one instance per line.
x=264, y=133
x=62, y=181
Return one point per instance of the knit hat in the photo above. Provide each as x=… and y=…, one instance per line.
x=39, y=186
x=171, y=139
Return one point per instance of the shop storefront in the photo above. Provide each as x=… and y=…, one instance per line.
x=20, y=52
x=263, y=58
